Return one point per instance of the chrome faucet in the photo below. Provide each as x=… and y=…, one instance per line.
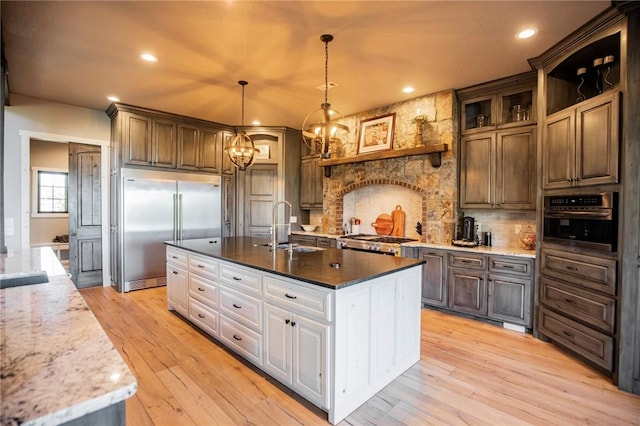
x=275, y=225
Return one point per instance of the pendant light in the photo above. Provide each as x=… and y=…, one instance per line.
x=241, y=150
x=320, y=128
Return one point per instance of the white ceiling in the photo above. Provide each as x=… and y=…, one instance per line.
x=79, y=52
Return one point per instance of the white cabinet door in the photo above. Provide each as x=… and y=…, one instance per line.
x=178, y=289
x=277, y=343
x=310, y=359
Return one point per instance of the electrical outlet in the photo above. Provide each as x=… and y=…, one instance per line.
x=294, y=219
x=518, y=228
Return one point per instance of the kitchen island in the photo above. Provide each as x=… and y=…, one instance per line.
x=58, y=365
x=335, y=326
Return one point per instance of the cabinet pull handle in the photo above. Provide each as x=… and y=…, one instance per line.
x=237, y=278
x=235, y=336
x=287, y=321
x=570, y=301
x=572, y=268
x=508, y=266
x=200, y=266
x=237, y=306
x=200, y=289
x=290, y=296
x=293, y=323
x=175, y=272
x=201, y=316
x=174, y=257
x=465, y=261
x=566, y=333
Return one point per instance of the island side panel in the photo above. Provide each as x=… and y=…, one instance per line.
x=369, y=352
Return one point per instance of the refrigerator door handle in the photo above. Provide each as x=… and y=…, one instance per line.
x=175, y=217
x=180, y=216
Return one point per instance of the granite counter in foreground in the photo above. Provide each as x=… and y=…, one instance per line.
x=58, y=364
x=332, y=268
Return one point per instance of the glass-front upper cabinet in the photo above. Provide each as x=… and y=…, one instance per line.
x=504, y=103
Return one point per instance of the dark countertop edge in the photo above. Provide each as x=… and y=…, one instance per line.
x=417, y=262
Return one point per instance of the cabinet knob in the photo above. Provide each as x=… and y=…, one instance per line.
x=293, y=323
x=287, y=321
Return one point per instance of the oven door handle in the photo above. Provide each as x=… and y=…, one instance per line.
x=565, y=214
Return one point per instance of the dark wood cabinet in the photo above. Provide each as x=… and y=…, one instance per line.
x=467, y=291
x=143, y=137
x=580, y=144
x=434, y=280
x=497, y=159
x=228, y=205
x=311, y=174
x=313, y=241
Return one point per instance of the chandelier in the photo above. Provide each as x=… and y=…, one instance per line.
x=241, y=150
x=320, y=128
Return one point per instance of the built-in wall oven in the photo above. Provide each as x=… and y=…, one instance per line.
x=585, y=220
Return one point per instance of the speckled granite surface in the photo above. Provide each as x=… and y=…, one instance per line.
x=57, y=362
x=504, y=251
x=314, y=268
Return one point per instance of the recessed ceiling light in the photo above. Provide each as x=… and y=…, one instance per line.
x=408, y=89
x=526, y=33
x=255, y=122
x=148, y=57
x=113, y=98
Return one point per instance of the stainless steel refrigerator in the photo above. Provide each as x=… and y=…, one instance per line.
x=162, y=206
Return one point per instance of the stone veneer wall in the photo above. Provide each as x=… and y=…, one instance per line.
x=437, y=185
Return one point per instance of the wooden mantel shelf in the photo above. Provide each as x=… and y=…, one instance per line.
x=383, y=155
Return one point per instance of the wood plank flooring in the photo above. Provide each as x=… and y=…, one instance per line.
x=470, y=373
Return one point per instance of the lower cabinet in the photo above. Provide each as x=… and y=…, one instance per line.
x=312, y=241
x=497, y=287
x=578, y=304
x=296, y=352
x=177, y=281
x=335, y=348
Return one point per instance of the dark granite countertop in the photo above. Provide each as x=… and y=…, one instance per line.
x=312, y=267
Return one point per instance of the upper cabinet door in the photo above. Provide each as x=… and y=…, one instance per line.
x=188, y=147
x=163, y=143
x=137, y=140
x=558, y=147
x=210, y=150
x=516, y=169
x=476, y=162
x=597, y=140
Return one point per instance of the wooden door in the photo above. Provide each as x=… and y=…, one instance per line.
x=597, y=140
x=434, y=286
x=509, y=299
x=85, y=224
x=260, y=195
x=516, y=169
x=306, y=183
x=475, y=171
x=228, y=205
x=467, y=291
x=310, y=359
x=210, y=155
x=137, y=139
x=558, y=150
x=187, y=147
x=164, y=143
x=227, y=165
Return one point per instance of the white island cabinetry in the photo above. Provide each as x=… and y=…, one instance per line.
x=336, y=347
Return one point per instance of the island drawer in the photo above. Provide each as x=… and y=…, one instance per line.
x=177, y=257
x=591, y=272
x=206, y=291
x=203, y=316
x=241, y=339
x=468, y=260
x=511, y=265
x=591, y=344
x=203, y=266
x=242, y=308
x=584, y=305
x=241, y=278
x=299, y=298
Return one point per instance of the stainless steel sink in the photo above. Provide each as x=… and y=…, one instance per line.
x=26, y=279
x=296, y=248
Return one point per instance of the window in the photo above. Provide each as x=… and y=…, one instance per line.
x=49, y=192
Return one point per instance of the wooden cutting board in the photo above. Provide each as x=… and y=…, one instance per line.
x=397, y=217
x=383, y=224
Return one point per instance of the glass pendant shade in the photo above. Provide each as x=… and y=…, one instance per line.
x=241, y=150
x=321, y=128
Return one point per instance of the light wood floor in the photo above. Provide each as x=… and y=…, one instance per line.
x=469, y=373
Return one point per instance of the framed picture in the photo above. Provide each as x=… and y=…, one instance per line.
x=376, y=134
x=263, y=153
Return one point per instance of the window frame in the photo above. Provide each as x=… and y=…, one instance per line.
x=35, y=189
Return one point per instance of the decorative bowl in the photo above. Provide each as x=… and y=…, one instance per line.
x=309, y=228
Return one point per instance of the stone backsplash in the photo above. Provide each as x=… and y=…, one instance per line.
x=436, y=186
